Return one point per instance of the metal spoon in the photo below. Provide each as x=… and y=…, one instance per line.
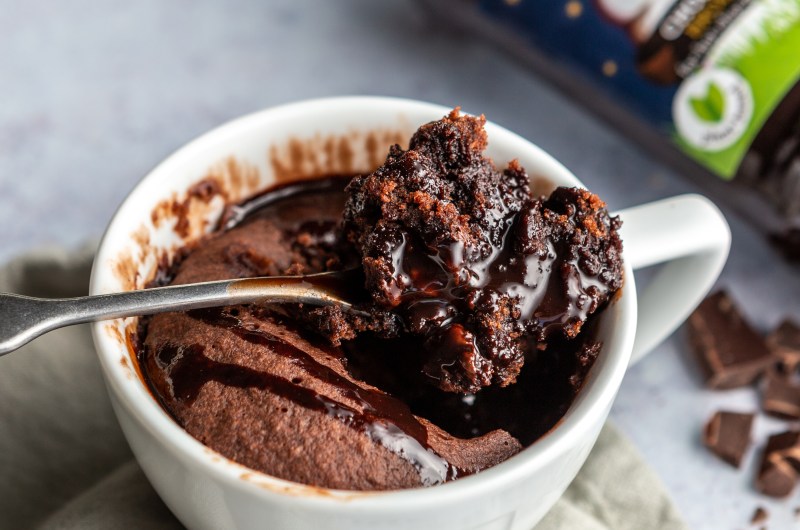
x=23, y=318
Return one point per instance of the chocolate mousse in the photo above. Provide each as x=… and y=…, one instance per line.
x=477, y=303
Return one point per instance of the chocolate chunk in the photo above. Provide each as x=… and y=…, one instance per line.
x=759, y=516
x=727, y=435
x=780, y=396
x=786, y=445
x=729, y=351
x=780, y=464
x=776, y=479
x=785, y=345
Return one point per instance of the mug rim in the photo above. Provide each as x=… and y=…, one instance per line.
x=596, y=395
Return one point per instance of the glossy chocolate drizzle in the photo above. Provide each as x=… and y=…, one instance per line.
x=385, y=419
x=430, y=294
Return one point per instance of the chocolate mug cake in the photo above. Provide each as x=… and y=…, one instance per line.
x=476, y=302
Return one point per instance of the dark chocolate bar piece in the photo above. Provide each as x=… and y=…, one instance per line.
x=780, y=464
x=776, y=479
x=729, y=351
x=785, y=345
x=727, y=435
x=780, y=396
x=786, y=445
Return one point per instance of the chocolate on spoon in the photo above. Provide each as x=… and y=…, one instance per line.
x=23, y=318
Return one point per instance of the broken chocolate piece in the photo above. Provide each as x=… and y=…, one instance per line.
x=727, y=435
x=729, y=351
x=780, y=396
x=785, y=345
x=776, y=479
x=786, y=445
x=759, y=516
x=780, y=463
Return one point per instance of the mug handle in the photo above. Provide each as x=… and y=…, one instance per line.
x=690, y=234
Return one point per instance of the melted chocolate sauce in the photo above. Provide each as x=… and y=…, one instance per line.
x=428, y=291
x=238, y=213
x=527, y=410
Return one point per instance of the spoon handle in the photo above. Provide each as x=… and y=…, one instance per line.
x=23, y=318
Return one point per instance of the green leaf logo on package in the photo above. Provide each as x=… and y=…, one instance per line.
x=711, y=107
x=712, y=110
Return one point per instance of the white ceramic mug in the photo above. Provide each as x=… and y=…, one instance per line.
x=342, y=135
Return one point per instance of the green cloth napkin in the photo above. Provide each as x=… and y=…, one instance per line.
x=66, y=465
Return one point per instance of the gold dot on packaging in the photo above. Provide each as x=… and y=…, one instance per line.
x=610, y=68
x=573, y=9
